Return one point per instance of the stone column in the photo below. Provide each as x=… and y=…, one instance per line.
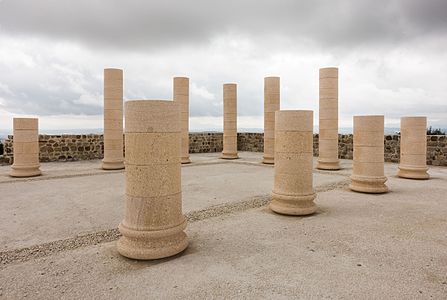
x=153, y=223
x=328, y=118
x=368, y=174
x=113, y=120
x=181, y=96
x=271, y=105
x=413, y=148
x=230, y=121
x=293, y=192
x=25, y=148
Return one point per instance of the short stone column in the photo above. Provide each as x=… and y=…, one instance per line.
x=293, y=192
x=181, y=96
x=368, y=174
x=328, y=119
x=271, y=105
x=230, y=121
x=413, y=148
x=153, y=223
x=113, y=120
x=25, y=148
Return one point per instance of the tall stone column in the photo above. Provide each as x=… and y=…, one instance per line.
x=230, y=121
x=271, y=105
x=113, y=120
x=25, y=148
x=413, y=148
x=368, y=175
x=328, y=118
x=181, y=96
x=153, y=223
x=293, y=192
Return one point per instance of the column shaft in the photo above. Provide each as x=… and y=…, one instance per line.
x=230, y=121
x=25, y=148
x=113, y=120
x=413, y=148
x=293, y=192
x=181, y=96
x=368, y=174
x=153, y=223
x=271, y=105
x=328, y=120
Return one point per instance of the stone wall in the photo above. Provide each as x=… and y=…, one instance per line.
x=91, y=146
x=64, y=147
x=205, y=142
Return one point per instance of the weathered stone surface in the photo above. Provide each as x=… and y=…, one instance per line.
x=113, y=120
x=181, y=96
x=271, y=105
x=413, y=143
x=368, y=166
x=230, y=121
x=26, y=148
x=293, y=192
x=328, y=120
x=153, y=223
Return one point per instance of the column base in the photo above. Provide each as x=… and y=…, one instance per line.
x=229, y=156
x=112, y=165
x=25, y=171
x=268, y=160
x=299, y=205
x=147, y=245
x=413, y=172
x=367, y=184
x=328, y=165
x=185, y=160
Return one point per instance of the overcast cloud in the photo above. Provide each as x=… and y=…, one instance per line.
x=392, y=56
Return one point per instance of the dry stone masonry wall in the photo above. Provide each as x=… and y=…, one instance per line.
x=91, y=146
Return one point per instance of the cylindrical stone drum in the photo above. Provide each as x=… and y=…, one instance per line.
x=181, y=96
x=25, y=148
x=230, y=121
x=153, y=223
x=293, y=192
x=368, y=174
x=413, y=148
x=328, y=120
x=113, y=120
x=271, y=105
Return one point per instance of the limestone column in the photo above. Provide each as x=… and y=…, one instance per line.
x=25, y=148
x=368, y=174
x=181, y=95
x=113, y=120
x=271, y=105
x=153, y=223
x=328, y=120
x=230, y=121
x=413, y=148
x=293, y=192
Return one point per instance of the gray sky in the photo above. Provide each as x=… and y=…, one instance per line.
x=392, y=56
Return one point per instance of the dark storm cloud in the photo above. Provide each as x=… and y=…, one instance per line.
x=156, y=24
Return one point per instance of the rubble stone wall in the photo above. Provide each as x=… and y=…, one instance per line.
x=91, y=146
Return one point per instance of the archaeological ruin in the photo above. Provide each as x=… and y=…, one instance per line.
x=230, y=121
x=181, y=96
x=293, y=192
x=368, y=161
x=153, y=225
x=113, y=120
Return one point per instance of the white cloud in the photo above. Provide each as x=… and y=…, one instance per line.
x=52, y=72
